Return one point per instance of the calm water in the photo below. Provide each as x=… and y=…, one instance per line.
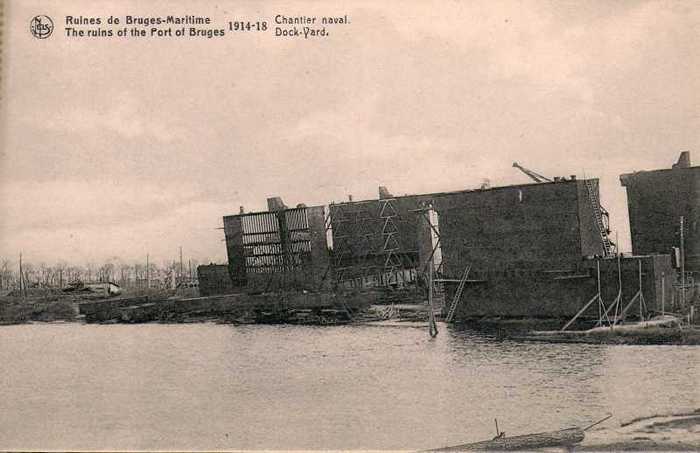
x=207, y=386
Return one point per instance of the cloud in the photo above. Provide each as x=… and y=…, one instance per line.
x=73, y=204
x=144, y=139
x=123, y=115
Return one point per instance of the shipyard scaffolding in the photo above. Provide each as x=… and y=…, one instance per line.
x=432, y=269
x=614, y=313
x=281, y=249
x=525, y=250
x=369, y=247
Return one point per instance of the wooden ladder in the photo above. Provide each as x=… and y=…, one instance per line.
x=595, y=204
x=458, y=294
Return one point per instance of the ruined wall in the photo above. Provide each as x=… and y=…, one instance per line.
x=523, y=294
x=531, y=293
x=536, y=226
x=214, y=279
x=656, y=200
x=545, y=225
x=284, y=249
x=320, y=266
x=526, y=245
x=233, y=233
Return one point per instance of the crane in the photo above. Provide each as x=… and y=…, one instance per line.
x=535, y=176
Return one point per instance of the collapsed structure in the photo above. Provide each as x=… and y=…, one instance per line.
x=530, y=250
x=283, y=248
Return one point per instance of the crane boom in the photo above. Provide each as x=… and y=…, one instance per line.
x=533, y=175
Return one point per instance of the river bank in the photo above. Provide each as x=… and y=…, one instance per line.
x=310, y=309
x=681, y=336
x=48, y=308
x=676, y=432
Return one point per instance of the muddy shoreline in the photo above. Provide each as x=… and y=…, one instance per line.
x=64, y=308
x=674, y=432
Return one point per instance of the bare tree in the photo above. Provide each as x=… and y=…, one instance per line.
x=124, y=274
x=6, y=274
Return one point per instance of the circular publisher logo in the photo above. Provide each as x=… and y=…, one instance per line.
x=41, y=26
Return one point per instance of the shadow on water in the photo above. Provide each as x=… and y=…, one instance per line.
x=496, y=346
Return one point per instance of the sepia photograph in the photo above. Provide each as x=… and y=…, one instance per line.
x=349, y=225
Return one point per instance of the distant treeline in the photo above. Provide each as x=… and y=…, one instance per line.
x=127, y=275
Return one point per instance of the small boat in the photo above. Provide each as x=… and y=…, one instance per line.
x=564, y=438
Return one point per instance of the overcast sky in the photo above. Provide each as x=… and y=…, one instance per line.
x=123, y=147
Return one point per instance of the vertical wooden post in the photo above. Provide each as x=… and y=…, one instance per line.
x=619, y=267
x=430, y=285
x=673, y=300
x=600, y=310
x=663, y=293
x=641, y=314
x=22, y=289
x=619, y=281
x=682, y=263
x=432, y=326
